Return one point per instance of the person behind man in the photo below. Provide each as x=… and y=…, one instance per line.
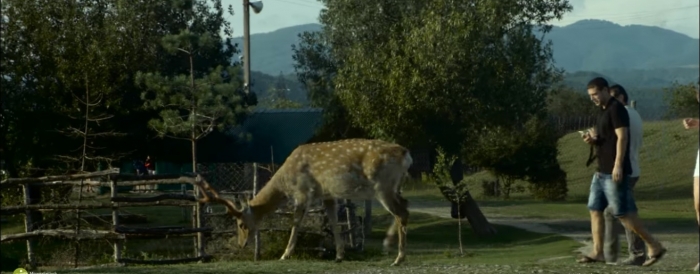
x=610, y=185
x=635, y=245
x=692, y=123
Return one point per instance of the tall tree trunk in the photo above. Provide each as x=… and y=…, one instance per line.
x=197, y=210
x=476, y=218
x=82, y=168
x=459, y=227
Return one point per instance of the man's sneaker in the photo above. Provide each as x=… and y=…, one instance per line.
x=635, y=260
x=697, y=267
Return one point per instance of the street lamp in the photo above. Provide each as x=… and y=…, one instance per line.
x=257, y=7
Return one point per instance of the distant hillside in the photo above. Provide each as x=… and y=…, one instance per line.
x=272, y=52
x=644, y=86
x=595, y=45
x=587, y=45
x=643, y=59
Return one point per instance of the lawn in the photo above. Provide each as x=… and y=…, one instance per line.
x=663, y=193
x=432, y=241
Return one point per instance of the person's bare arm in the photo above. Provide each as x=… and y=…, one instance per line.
x=621, y=146
x=689, y=123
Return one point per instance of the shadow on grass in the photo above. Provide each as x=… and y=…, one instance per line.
x=426, y=231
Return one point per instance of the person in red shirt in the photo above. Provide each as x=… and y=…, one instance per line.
x=150, y=166
x=151, y=169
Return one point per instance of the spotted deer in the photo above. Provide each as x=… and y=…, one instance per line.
x=358, y=169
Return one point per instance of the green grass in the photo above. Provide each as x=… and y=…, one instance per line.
x=432, y=241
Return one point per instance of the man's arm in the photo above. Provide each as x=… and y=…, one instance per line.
x=621, y=122
x=621, y=133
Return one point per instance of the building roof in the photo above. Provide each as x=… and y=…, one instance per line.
x=274, y=133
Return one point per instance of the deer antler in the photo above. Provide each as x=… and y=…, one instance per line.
x=230, y=207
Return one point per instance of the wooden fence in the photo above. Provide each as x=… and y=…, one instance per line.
x=118, y=232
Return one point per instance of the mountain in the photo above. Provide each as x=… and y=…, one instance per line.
x=641, y=58
x=596, y=45
x=587, y=45
x=272, y=52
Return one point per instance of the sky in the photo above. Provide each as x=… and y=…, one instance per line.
x=678, y=15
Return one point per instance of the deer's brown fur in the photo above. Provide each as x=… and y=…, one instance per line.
x=359, y=169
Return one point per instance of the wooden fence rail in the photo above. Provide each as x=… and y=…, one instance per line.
x=118, y=232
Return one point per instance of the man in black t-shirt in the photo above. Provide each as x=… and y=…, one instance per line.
x=610, y=186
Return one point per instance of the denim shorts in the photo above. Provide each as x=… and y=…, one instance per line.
x=607, y=193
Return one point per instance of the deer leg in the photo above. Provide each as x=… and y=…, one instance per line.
x=397, y=206
x=332, y=213
x=390, y=238
x=300, y=207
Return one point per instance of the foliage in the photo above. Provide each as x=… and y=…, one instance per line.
x=436, y=73
x=316, y=67
x=441, y=177
x=49, y=63
x=519, y=152
x=192, y=106
x=454, y=191
x=277, y=96
x=188, y=112
x=564, y=101
x=681, y=100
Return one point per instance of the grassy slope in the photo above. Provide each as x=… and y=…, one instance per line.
x=663, y=192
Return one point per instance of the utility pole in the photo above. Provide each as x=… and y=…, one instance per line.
x=257, y=7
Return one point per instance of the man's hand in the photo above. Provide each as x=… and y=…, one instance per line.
x=689, y=123
x=588, y=139
x=617, y=174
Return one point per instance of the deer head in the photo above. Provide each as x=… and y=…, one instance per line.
x=245, y=222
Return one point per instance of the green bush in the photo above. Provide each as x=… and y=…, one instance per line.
x=549, y=183
x=520, y=152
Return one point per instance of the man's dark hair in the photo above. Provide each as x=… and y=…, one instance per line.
x=616, y=90
x=598, y=83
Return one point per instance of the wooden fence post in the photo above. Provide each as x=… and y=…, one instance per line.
x=368, y=217
x=197, y=223
x=350, y=216
x=115, y=219
x=28, y=225
x=256, y=255
x=183, y=189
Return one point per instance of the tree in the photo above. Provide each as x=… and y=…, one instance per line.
x=455, y=191
x=436, y=73
x=522, y=152
x=316, y=67
x=191, y=107
x=563, y=101
x=277, y=96
x=44, y=62
x=681, y=100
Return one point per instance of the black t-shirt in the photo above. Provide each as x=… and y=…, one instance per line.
x=613, y=116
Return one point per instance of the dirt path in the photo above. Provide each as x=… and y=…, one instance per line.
x=679, y=244
x=533, y=225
